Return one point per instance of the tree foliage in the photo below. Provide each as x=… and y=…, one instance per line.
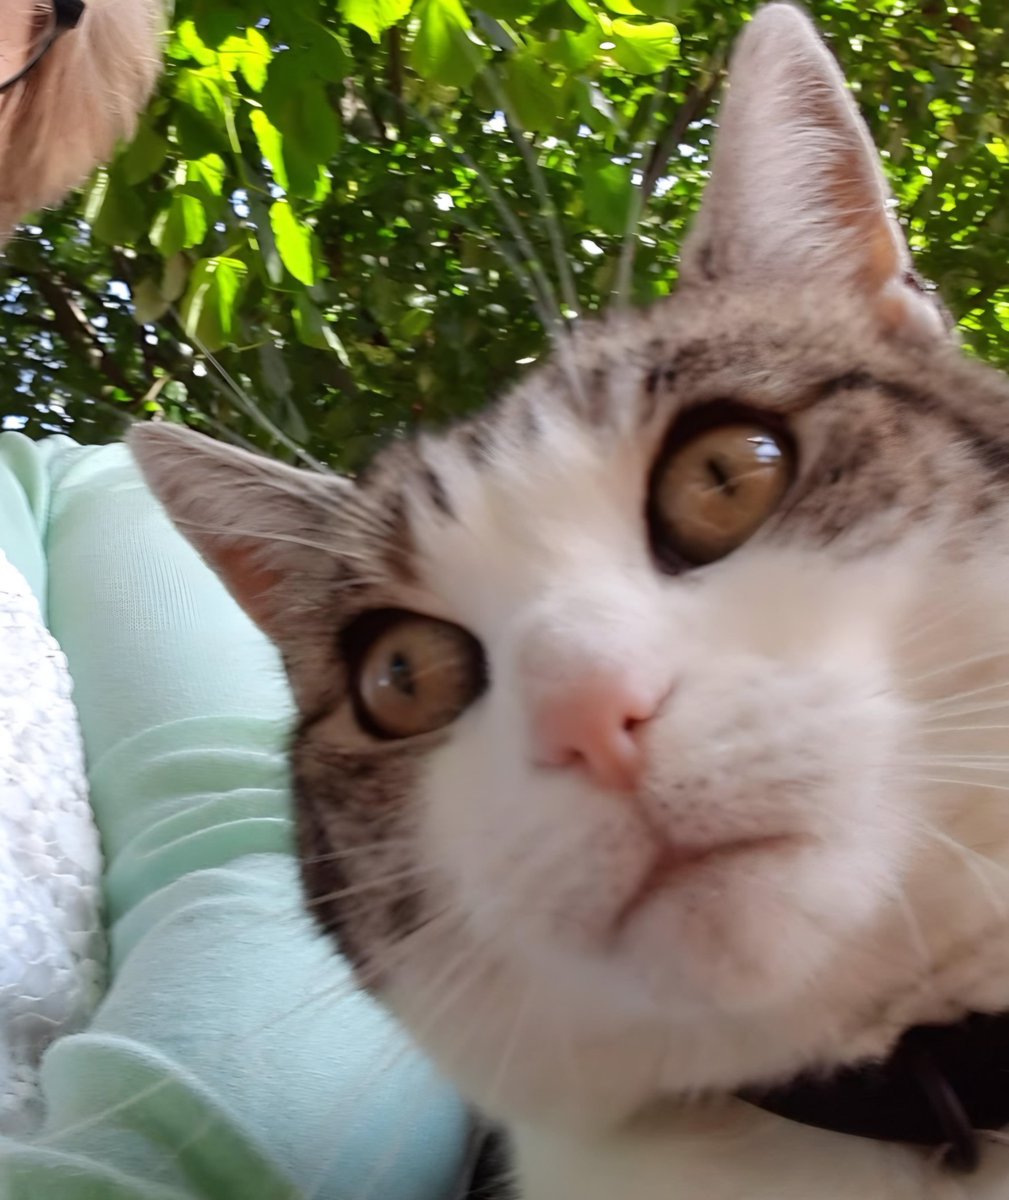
x=340, y=217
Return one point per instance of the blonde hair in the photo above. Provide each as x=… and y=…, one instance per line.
x=71, y=109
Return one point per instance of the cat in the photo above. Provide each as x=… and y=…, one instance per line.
x=650, y=756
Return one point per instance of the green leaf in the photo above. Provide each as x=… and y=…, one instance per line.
x=329, y=57
x=301, y=111
x=265, y=243
x=208, y=310
x=144, y=155
x=667, y=10
x=271, y=145
x=583, y=9
x=644, y=49
x=414, y=323
x=193, y=45
x=174, y=277
x=183, y=224
x=608, y=191
x=559, y=16
x=202, y=91
x=374, y=16
x=441, y=51
x=217, y=19
x=572, y=51
x=149, y=305
x=313, y=330
x=530, y=93
x=209, y=172
x=294, y=242
x=114, y=210
x=664, y=9
x=203, y=116
x=250, y=54
x=507, y=10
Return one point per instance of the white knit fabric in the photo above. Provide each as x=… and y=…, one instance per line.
x=52, y=949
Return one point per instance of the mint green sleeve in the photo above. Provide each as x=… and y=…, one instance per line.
x=232, y=1058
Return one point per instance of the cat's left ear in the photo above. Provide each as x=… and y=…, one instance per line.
x=274, y=535
x=796, y=192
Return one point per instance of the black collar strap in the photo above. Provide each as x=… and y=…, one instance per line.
x=941, y=1086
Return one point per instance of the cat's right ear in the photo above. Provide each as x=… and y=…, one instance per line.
x=268, y=530
x=796, y=193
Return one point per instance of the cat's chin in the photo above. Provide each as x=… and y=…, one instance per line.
x=737, y=927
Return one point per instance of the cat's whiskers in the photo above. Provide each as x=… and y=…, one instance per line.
x=974, y=762
x=360, y=850
x=940, y=717
x=500, y=1078
x=945, y=614
x=940, y=703
x=288, y=539
x=352, y=985
x=918, y=940
x=445, y=1007
x=988, y=655
x=382, y=1065
x=370, y=885
x=977, y=864
x=959, y=782
x=383, y=1062
x=938, y=729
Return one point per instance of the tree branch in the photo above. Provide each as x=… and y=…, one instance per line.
x=692, y=109
x=72, y=323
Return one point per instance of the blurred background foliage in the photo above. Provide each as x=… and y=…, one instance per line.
x=341, y=217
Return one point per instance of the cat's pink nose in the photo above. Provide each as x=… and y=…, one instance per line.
x=593, y=724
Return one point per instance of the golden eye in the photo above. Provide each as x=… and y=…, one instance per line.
x=714, y=491
x=416, y=675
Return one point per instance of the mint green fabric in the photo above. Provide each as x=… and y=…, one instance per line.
x=232, y=1058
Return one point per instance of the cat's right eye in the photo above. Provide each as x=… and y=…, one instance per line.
x=412, y=674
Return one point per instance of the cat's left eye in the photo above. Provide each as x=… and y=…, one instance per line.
x=414, y=674
x=712, y=491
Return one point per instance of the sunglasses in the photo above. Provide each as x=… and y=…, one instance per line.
x=63, y=16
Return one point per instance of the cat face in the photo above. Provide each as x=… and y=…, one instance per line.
x=648, y=721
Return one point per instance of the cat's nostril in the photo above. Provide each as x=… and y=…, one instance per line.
x=593, y=724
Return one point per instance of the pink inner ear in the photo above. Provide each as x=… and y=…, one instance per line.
x=248, y=580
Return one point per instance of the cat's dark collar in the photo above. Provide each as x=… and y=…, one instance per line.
x=941, y=1086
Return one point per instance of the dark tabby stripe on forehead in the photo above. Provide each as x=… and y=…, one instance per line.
x=398, y=547
x=437, y=491
x=477, y=441
x=659, y=381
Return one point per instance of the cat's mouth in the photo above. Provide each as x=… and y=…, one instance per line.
x=676, y=864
